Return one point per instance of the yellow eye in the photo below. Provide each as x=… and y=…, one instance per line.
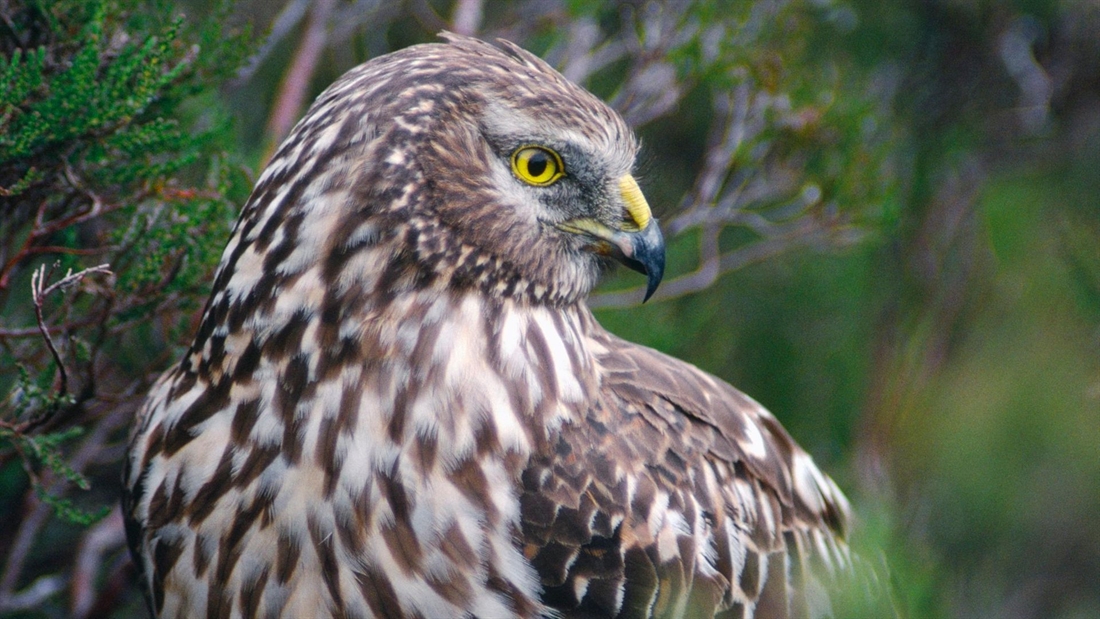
x=537, y=165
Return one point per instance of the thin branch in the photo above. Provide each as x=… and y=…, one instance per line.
x=292, y=92
x=701, y=204
x=288, y=18
x=39, y=291
x=348, y=19
x=424, y=13
x=37, y=331
x=582, y=53
x=113, y=587
x=32, y=236
x=68, y=251
x=31, y=598
x=38, y=511
x=713, y=265
x=467, y=16
x=37, y=294
x=43, y=228
x=104, y=537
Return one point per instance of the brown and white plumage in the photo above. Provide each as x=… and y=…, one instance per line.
x=398, y=404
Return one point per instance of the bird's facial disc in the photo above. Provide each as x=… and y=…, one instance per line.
x=636, y=241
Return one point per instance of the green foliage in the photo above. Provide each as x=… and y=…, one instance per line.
x=45, y=449
x=111, y=152
x=101, y=107
x=34, y=398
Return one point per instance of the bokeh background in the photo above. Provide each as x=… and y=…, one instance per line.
x=884, y=223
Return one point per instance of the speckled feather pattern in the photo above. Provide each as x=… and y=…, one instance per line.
x=398, y=405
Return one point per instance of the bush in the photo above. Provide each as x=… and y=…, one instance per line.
x=113, y=181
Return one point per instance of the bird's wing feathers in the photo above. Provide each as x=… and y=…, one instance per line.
x=678, y=496
x=743, y=430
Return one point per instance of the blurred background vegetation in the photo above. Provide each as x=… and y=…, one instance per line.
x=884, y=222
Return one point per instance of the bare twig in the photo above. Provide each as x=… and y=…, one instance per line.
x=714, y=264
x=293, y=90
x=37, y=294
x=349, y=19
x=285, y=22
x=68, y=251
x=32, y=236
x=735, y=189
x=425, y=13
x=37, y=331
x=34, y=595
x=467, y=16
x=105, y=536
x=35, y=514
x=39, y=291
x=42, y=228
x=37, y=511
x=583, y=53
x=118, y=577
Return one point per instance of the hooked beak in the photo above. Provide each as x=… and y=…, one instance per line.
x=638, y=243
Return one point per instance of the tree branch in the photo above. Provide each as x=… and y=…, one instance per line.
x=107, y=535
x=39, y=291
x=288, y=18
x=293, y=90
x=713, y=264
x=467, y=15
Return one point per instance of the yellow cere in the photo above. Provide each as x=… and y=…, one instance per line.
x=635, y=202
x=537, y=165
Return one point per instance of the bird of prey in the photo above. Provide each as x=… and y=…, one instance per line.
x=398, y=403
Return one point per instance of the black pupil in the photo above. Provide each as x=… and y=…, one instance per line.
x=537, y=164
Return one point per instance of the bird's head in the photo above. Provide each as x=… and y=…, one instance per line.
x=460, y=164
x=539, y=171
x=504, y=174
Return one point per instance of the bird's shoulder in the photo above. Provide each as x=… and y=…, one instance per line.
x=672, y=494
x=718, y=423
